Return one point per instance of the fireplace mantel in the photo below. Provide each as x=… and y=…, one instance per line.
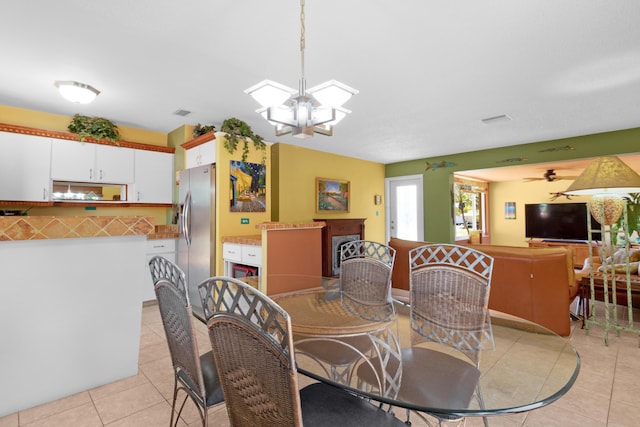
x=337, y=227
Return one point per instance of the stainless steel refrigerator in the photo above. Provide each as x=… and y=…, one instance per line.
x=196, y=245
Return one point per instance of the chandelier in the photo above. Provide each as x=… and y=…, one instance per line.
x=303, y=112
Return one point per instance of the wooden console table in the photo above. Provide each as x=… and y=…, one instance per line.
x=598, y=285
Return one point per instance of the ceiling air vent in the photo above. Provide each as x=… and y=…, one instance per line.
x=496, y=119
x=182, y=112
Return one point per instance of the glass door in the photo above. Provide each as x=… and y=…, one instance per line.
x=405, y=208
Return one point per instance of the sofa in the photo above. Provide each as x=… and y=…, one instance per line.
x=537, y=284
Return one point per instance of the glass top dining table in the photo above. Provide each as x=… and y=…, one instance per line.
x=520, y=365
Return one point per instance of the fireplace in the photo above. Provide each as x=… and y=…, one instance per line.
x=336, y=233
x=336, y=246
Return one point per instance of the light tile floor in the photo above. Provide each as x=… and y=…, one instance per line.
x=606, y=393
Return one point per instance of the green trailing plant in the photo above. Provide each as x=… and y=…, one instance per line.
x=633, y=211
x=97, y=128
x=239, y=132
x=199, y=129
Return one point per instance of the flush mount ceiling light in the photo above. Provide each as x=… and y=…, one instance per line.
x=76, y=92
x=303, y=112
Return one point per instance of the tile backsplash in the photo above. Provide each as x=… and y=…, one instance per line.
x=62, y=227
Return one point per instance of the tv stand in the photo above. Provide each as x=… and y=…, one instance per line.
x=563, y=241
x=580, y=248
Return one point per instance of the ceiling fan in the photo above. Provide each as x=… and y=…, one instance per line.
x=551, y=176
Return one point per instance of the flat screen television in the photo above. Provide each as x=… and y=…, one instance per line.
x=559, y=221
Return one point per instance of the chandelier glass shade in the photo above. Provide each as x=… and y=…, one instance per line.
x=77, y=92
x=302, y=112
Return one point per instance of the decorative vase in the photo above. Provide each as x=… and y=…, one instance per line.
x=606, y=208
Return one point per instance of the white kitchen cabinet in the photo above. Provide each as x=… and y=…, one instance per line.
x=163, y=247
x=239, y=256
x=154, y=175
x=203, y=154
x=87, y=162
x=25, y=167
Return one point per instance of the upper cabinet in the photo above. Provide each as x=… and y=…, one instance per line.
x=153, y=177
x=25, y=166
x=77, y=161
x=203, y=154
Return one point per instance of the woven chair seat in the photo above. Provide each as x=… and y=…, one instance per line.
x=324, y=405
x=210, y=377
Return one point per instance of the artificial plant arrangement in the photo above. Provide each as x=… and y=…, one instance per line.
x=633, y=212
x=97, y=128
x=199, y=129
x=238, y=131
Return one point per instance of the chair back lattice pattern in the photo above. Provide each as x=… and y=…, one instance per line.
x=177, y=320
x=365, y=277
x=162, y=268
x=368, y=249
x=449, y=288
x=252, y=342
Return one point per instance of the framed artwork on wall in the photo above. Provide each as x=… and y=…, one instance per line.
x=248, y=189
x=332, y=195
x=509, y=210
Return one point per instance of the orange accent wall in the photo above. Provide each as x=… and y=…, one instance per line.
x=295, y=252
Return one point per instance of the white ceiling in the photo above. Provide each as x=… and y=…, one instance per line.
x=427, y=71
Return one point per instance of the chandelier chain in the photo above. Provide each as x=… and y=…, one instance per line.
x=302, y=46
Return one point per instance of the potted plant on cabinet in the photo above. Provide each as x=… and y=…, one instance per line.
x=97, y=128
x=238, y=131
x=200, y=130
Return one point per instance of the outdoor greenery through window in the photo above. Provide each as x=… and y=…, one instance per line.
x=470, y=206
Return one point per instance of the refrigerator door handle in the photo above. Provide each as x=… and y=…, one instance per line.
x=186, y=219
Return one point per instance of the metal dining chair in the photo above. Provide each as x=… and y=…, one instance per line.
x=365, y=291
x=449, y=295
x=194, y=374
x=253, y=350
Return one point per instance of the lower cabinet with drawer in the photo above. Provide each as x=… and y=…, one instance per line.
x=241, y=260
x=162, y=247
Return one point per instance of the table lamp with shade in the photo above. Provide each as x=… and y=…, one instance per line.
x=607, y=179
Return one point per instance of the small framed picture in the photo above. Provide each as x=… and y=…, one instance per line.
x=332, y=195
x=509, y=210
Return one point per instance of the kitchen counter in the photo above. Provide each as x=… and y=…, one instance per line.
x=289, y=226
x=164, y=232
x=77, y=301
x=243, y=240
x=13, y=228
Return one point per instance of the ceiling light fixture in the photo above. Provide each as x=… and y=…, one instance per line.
x=77, y=92
x=303, y=112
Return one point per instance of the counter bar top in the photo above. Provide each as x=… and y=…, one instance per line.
x=289, y=226
x=243, y=240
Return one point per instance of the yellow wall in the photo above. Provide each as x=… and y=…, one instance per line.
x=512, y=232
x=227, y=222
x=59, y=123
x=294, y=186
